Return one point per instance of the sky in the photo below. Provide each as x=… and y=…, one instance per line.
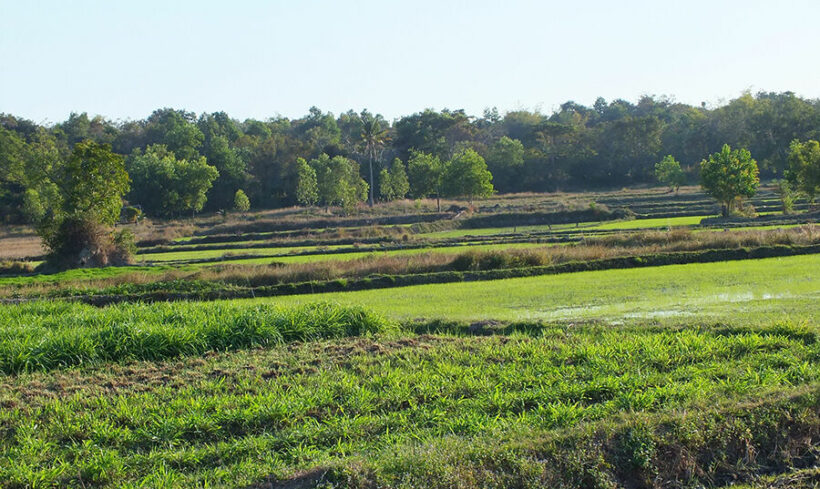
x=258, y=59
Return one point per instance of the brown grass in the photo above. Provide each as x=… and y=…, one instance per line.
x=22, y=245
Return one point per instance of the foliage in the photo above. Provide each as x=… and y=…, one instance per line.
x=786, y=195
x=467, y=175
x=338, y=181
x=728, y=176
x=393, y=183
x=307, y=187
x=804, y=167
x=669, y=173
x=505, y=160
x=609, y=144
x=166, y=186
x=426, y=172
x=92, y=182
x=131, y=214
x=241, y=202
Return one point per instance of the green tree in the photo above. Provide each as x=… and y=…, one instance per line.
x=167, y=186
x=398, y=179
x=338, y=181
x=467, y=175
x=385, y=185
x=728, y=176
x=505, y=161
x=307, y=187
x=373, y=138
x=33, y=207
x=393, y=183
x=669, y=173
x=425, y=172
x=241, y=202
x=804, y=167
x=91, y=182
x=176, y=129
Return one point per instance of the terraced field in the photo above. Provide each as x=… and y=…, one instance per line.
x=621, y=339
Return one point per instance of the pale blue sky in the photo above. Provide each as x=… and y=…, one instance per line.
x=254, y=58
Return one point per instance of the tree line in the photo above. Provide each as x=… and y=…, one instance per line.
x=178, y=162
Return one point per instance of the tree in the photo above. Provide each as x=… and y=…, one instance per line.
x=426, y=173
x=307, y=188
x=338, y=181
x=669, y=173
x=728, y=176
x=804, y=167
x=467, y=175
x=373, y=137
x=505, y=160
x=393, y=183
x=167, y=186
x=241, y=202
x=91, y=183
x=385, y=185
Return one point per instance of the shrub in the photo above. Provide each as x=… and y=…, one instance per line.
x=241, y=202
x=130, y=214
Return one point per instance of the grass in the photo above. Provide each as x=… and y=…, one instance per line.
x=468, y=257
x=649, y=223
x=203, y=254
x=713, y=290
x=376, y=405
x=43, y=336
x=699, y=375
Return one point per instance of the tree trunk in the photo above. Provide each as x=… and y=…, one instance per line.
x=371, y=181
x=438, y=202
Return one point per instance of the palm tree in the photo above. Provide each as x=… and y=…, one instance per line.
x=373, y=139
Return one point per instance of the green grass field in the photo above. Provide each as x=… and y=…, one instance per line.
x=237, y=419
x=768, y=287
x=649, y=223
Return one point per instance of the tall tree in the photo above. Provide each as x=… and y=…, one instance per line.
x=373, y=139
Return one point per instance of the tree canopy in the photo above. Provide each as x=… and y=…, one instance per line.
x=575, y=147
x=166, y=186
x=804, y=167
x=729, y=175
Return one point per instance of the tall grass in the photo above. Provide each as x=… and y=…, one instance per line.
x=43, y=336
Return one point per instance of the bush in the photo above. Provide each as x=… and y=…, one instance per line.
x=77, y=242
x=130, y=214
